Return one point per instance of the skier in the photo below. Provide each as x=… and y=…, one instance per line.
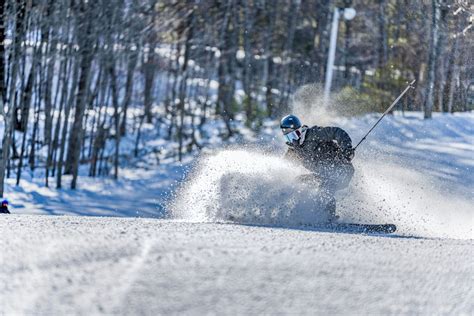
x=4, y=207
x=326, y=152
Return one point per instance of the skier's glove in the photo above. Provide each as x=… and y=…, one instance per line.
x=349, y=154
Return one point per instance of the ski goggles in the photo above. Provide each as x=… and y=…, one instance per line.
x=292, y=136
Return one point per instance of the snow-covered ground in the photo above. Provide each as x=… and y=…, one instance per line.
x=138, y=193
x=415, y=173
x=58, y=265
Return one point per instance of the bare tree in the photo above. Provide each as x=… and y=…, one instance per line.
x=433, y=54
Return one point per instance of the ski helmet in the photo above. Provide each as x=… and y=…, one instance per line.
x=289, y=123
x=290, y=126
x=5, y=202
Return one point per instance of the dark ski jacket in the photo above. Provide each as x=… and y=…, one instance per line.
x=326, y=152
x=4, y=209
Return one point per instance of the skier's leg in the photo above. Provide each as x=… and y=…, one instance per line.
x=331, y=210
x=342, y=176
x=328, y=190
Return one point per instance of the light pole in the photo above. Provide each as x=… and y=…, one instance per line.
x=348, y=14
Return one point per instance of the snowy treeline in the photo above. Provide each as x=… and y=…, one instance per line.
x=78, y=76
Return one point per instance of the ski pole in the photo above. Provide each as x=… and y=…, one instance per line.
x=410, y=85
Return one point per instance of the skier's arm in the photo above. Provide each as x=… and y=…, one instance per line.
x=342, y=139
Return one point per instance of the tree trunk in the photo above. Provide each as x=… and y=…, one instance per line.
x=182, y=87
x=2, y=54
x=116, y=115
x=48, y=104
x=383, y=44
x=268, y=76
x=77, y=131
x=452, y=76
x=26, y=103
x=285, y=84
x=132, y=63
x=9, y=117
x=226, y=90
x=428, y=106
x=64, y=132
x=149, y=64
x=441, y=71
x=32, y=157
x=247, y=26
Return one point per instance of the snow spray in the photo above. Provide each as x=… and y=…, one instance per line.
x=389, y=192
x=247, y=186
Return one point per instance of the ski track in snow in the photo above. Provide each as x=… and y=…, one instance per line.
x=150, y=267
x=130, y=275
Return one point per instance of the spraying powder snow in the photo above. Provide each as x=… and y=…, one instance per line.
x=397, y=193
x=248, y=187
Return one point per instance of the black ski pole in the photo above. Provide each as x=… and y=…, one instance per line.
x=388, y=110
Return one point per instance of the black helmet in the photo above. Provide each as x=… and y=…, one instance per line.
x=290, y=126
x=290, y=123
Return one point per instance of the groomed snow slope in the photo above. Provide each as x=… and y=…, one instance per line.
x=54, y=265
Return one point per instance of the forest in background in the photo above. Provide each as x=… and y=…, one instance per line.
x=77, y=77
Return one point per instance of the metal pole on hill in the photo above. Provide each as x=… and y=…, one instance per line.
x=348, y=14
x=410, y=85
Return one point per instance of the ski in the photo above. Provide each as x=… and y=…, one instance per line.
x=361, y=228
x=338, y=227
